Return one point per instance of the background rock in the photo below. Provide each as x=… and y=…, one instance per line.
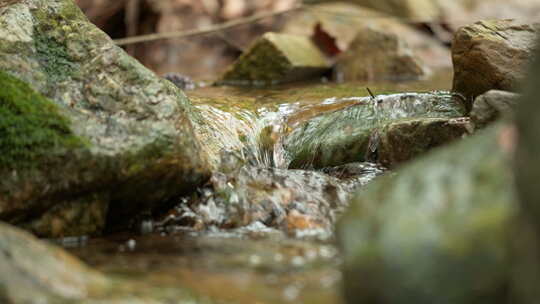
x=376, y=55
x=344, y=20
x=491, y=55
x=491, y=105
x=277, y=58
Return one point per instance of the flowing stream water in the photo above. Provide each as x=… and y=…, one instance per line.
x=257, y=232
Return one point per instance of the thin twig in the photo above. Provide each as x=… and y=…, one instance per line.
x=204, y=31
x=370, y=93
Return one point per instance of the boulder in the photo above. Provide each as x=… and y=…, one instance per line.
x=361, y=131
x=90, y=133
x=491, y=105
x=375, y=55
x=436, y=231
x=491, y=54
x=277, y=58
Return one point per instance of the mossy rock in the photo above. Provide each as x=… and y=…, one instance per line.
x=111, y=136
x=353, y=134
x=439, y=230
x=277, y=58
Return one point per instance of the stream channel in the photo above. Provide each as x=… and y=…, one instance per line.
x=265, y=255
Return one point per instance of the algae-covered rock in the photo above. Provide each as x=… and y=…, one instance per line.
x=491, y=105
x=436, y=231
x=112, y=138
x=376, y=55
x=491, y=54
x=354, y=133
x=277, y=58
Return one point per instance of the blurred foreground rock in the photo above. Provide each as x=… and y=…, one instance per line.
x=436, y=231
x=32, y=271
x=492, y=54
x=527, y=171
x=277, y=58
x=110, y=139
x=389, y=128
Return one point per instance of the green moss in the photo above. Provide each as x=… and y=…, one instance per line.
x=31, y=126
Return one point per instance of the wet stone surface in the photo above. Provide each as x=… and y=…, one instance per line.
x=298, y=203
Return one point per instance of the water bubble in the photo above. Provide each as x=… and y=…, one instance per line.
x=131, y=244
x=327, y=252
x=298, y=261
x=147, y=226
x=254, y=260
x=311, y=254
x=290, y=293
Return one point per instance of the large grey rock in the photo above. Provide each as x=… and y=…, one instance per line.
x=375, y=129
x=490, y=55
x=277, y=58
x=491, y=105
x=114, y=141
x=436, y=231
